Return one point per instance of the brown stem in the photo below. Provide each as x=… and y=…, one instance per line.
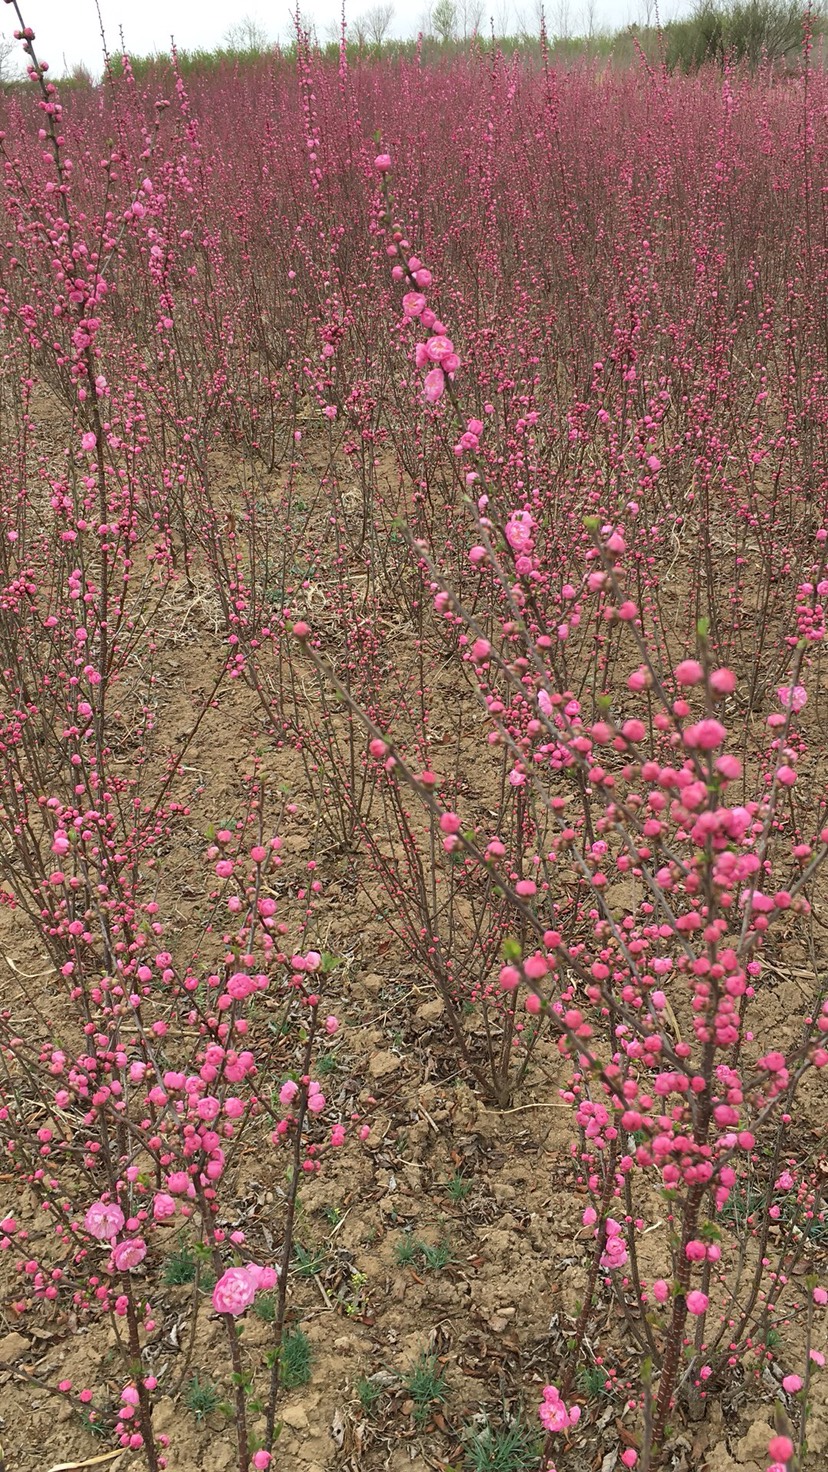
x=144, y=1397
x=287, y=1246
x=675, y=1333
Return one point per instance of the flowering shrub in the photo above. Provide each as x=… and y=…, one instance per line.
x=525, y=575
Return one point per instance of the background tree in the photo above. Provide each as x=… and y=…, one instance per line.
x=247, y=34
x=444, y=20
x=377, y=22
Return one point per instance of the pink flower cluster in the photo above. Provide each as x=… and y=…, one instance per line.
x=237, y=1287
x=104, y=1220
x=554, y=1415
x=437, y=353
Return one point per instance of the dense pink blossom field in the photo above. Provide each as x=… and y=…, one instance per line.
x=413, y=801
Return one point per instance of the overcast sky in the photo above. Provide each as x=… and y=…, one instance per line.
x=67, y=31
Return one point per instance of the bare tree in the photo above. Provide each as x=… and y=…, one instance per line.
x=470, y=15
x=503, y=18
x=8, y=49
x=377, y=22
x=589, y=13
x=562, y=20
x=247, y=34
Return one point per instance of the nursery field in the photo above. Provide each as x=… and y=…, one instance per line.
x=413, y=794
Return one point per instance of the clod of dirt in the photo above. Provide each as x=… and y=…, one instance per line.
x=383, y=1064
x=296, y=1417
x=12, y=1348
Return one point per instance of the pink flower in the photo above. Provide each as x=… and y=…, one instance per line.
x=780, y=1448
x=263, y=1278
x=439, y=348
x=791, y=1383
x=821, y=1295
x=89, y=440
x=792, y=697
x=697, y=1302
x=104, y=1220
x=288, y=1092
x=519, y=530
x=434, y=386
x=554, y=1414
x=661, y=1290
x=240, y=986
x=382, y=163
x=413, y=303
x=234, y=1292
x=614, y=1254
x=706, y=735
x=163, y=1206
x=723, y=682
x=128, y=1254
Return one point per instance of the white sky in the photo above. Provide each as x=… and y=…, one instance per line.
x=67, y=31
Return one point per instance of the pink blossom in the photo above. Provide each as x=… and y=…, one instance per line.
x=697, y=1302
x=240, y=986
x=439, y=348
x=791, y=1384
x=723, y=682
x=179, y=1183
x=263, y=1278
x=689, y=672
x=792, y=697
x=163, y=1206
x=128, y=1254
x=382, y=163
x=554, y=1415
x=234, y=1292
x=519, y=529
x=413, y=303
x=104, y=1220
x=288, y=1092
x=434, y=386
